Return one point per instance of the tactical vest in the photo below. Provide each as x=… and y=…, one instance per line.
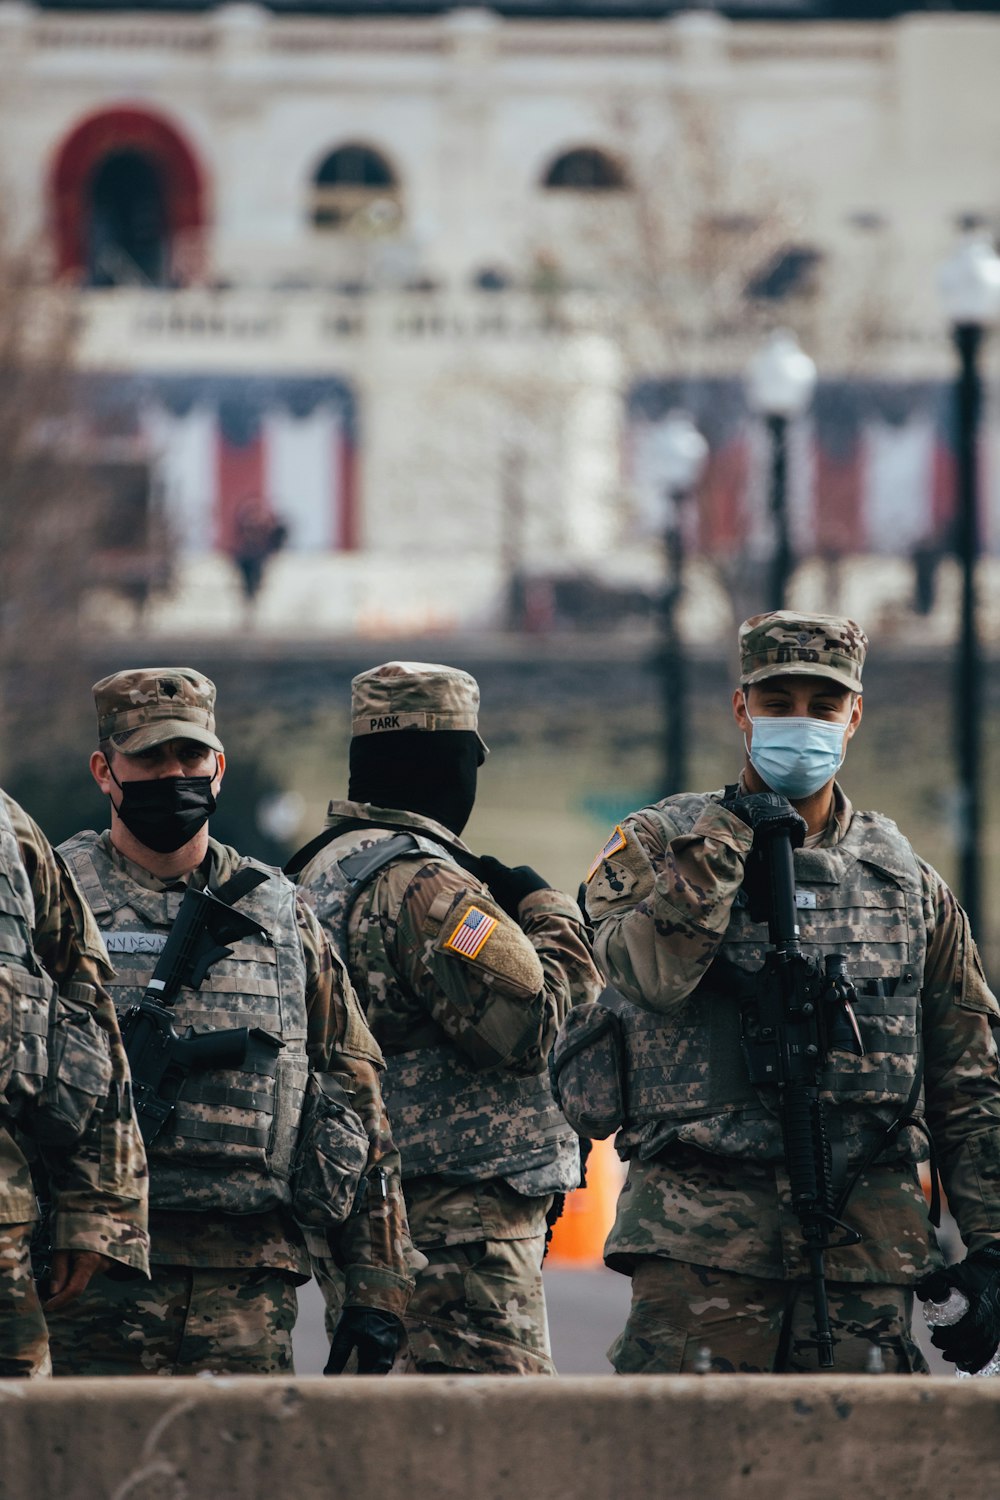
x=861, y=897
x=447, y=1117
x=28, y=997
x=230, y=1142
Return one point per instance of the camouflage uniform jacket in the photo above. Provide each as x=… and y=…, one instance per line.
x=663, y=904
x=498, y=1014
x=372, y=1246
x=99, y=1185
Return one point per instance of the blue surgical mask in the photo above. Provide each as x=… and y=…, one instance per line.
x=796, y=756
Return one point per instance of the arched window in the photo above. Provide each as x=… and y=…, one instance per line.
x=128, y=202
x=127, y=240
x=356, y=187
x=585, y=170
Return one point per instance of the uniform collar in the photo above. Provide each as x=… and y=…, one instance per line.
x=140, y=876
x=391, y=817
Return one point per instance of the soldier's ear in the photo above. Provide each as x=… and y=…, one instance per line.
x=101, y=771
x=740, y=709
x=220, y=769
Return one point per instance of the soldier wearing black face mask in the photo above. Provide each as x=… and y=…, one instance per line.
x=466, y=968
x=244, y=1195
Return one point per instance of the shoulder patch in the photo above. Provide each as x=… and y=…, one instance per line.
x=471, y=933
x=615, y=843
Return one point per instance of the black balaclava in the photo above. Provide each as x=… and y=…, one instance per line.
x=431, y=772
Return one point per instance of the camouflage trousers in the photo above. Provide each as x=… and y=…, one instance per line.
x=479, y=1309
x=183, y=1320
x=24, y=1340
x=678, y=1308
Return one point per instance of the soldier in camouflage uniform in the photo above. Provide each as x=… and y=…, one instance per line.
x=704, y=1224
x=64, y=1087
x=262, y=1164
x=465, y=968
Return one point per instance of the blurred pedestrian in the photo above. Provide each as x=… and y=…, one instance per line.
x=258, y=533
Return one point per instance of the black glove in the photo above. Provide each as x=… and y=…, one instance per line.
x=766, y=813
x=508, y=886
x=971, y=1342
x=376, y=1335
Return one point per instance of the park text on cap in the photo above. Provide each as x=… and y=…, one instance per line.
x=784, y=643
x=414, y=695
x=143, y=707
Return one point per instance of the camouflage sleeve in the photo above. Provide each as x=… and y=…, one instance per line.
x=100, y=1190
x=372, y=1249
x=497, y=988
x=961, y=1077
x=66, y=937
x=660, y=902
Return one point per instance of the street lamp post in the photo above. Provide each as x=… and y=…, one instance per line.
x=779, y=386
x=680, y=454
x=969, y=285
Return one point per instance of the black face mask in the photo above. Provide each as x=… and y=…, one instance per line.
x=433, y=774
x=167, y=811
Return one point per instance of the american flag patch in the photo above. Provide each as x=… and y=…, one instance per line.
x=471, y=933
x=615, y=842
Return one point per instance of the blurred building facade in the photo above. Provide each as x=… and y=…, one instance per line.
x=422, y=279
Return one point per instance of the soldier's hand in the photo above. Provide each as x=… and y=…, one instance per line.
x=376, y=1335
x=71, y=1271
x=767, y=813
x=509, y=885
x=971, y=1342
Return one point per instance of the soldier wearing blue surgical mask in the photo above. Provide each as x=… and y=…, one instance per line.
x=705, y=1227
x=796, y=729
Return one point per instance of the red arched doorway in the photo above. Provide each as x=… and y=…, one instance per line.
x=128, y=191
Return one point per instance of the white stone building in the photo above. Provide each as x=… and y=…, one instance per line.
x=419, y=277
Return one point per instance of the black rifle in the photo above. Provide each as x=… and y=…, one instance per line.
x=796, y=1014
x=159, y=1057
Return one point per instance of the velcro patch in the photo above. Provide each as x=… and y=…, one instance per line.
x=471, y=933
x=615, y=843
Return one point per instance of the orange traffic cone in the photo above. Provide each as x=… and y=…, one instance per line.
x=578, y=1238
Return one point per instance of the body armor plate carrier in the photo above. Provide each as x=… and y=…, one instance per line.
x=860, y=897
x=229, y=1144
x=448, y=1117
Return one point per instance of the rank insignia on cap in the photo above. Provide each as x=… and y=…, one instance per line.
x=615, y=842
x=471, y=933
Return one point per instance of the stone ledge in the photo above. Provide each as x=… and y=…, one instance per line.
x=689, y=1438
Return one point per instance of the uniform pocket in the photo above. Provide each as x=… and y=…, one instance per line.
x=331, y=1157
x=26, y=1000
x=587, y=1068
x=79, y=1075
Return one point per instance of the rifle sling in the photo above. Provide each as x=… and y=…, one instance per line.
x=239, y=885
x=308, y=852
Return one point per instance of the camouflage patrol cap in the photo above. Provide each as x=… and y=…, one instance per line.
x=414, y=695
x=147, y=705
x=784, y=642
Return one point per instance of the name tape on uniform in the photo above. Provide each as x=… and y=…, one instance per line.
x=471, y=932
x=616, y=842
x=135, y=942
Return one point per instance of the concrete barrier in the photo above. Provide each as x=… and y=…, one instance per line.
x=578, y=1438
